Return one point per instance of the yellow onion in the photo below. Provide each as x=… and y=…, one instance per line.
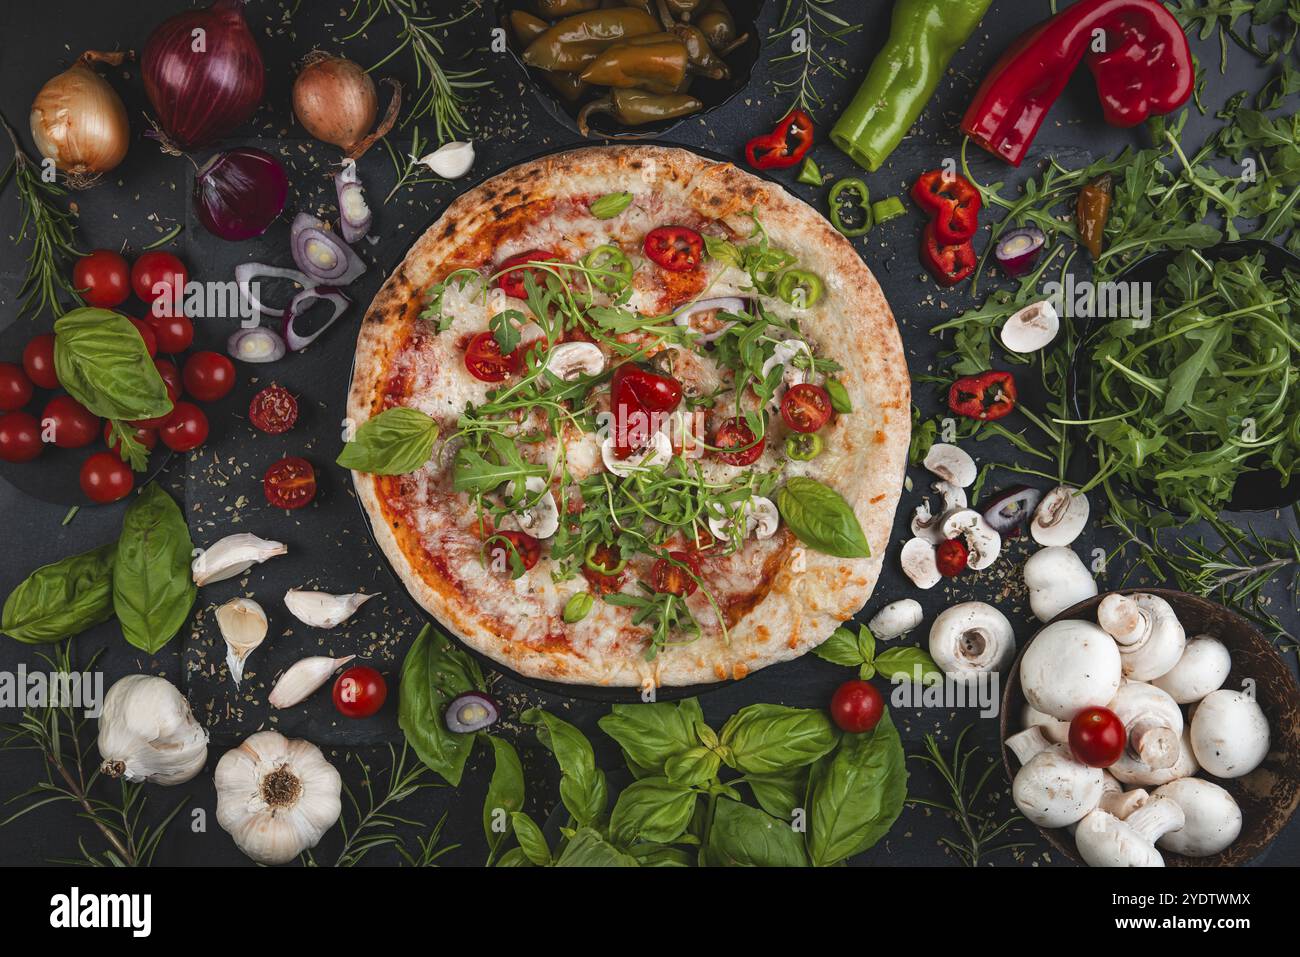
x=335, y=100
x=79, y=122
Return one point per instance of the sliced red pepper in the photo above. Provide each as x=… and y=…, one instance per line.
x=674, y=248
x=785, y=146
x=1142, y=66
x=948, y=264
x=987, y=396
x=952, y=201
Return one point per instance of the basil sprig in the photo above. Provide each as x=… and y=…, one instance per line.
x=433, y=673
x=152, y=588
x=101, y=360
x=394, y=442
x=62, y=599
x=505, y=796
x=821, y=518
x=859, y=651
x=857, y=795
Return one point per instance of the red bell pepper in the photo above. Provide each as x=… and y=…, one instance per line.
x=1143, y=66
x=948, y=263
x=987, y=396
x=785, y=146
x=952, y=201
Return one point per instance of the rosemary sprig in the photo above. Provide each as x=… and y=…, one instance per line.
x=808, y=26
x=979, y=829
x=441, y=91
x=409, y=171
x=50, y=227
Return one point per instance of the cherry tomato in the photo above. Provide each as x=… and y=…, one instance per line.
x=512, y=280
x=485, y=362
x=158, y=275
x=15, y=387
x=208, y=376
x=172, y=380
x=951, y=557
x=806, y=407
x=526, y=547
x=186, y=428
x=856, y=707
x=174, y=333
x=147, y=334
x=607, y=557
x=675, y=574
x=72, y=424
x=274, y=410
x=645, y=389
x=735, y=434
x=674, y=248
x=290, y=483
x=103, y=277
x=38, y=361
x=106, y=478
x=1097, y=737
x=146, y=437
x=20, y=437
x=359, y=692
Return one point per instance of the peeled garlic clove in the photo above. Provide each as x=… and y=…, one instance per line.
x=147, y=733
x=243, y=624
x=321, y=609
x=302, y=678
x=451, y=160
x=233, y=555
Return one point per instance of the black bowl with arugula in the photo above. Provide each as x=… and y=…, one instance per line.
x=1198, y=411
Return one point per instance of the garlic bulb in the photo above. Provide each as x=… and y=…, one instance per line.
x=233, y=555
x=243, y=624
x=451, y=160
x=146, y=732
x=276, y=797
x=321, y=609
x=302, y=678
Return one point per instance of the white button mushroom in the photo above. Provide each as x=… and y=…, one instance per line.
x=1229, y=734
x=1203, y=668
x=541, y=519
x=1069, y=666
x=1148, y=633
x=1153, y=725
x=761, y=519
x=1138, y=775
x=951, y=464
x=983, y=544
x=1104, y=840
x=1060, y=516
x=660, y=452
x=895, y=619
x=568, y=361
x=1052, y=789
x=1213, y=819
x=1115, y=800
x=972, y=638
x=1057, y=731
x=919, y=563
x=1057, y=578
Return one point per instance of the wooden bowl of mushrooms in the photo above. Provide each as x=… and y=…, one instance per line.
x=1149, y=727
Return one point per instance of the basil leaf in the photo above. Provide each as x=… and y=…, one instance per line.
x=857, y=795
x=582, y=784
x=840, y=400
x=102, y=362
x=724, y=251
x=781, y=792
x=744, y=836
x=693, y=768
x=652, y=809
x=650, y=734
x=433, y=673
x=152, y=588
x=396, y=441
x=658, y=855
x=505, y=794
x=763, y=738
x=589, y=849
x=610, y=205
x=821, y=519
x=473, y=473
x=841, y=648
x=903, y=662
x=62, y=599
x=515, y=857
x=531, y=839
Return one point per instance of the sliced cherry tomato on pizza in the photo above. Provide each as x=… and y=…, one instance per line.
x=649, y=390
x=485, y=362
x=806, y=407
x=604, y=568
x=185, y=429
x=146, y=437
x=38, y=361
x=159, y=276
x=70, y=423
x=736, y=434
x=106, y=478
x=274, y=410
x=103, y=278
x=20, y=437
x=674, y=248
x=290, y=483
x=505, y=545
x=675, y=574
x=208, y=376
x=15, y=387
x=511, y=280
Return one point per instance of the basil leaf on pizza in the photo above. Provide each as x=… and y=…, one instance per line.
x=610, y=205
x=433, y=673
x=821, y=518
x=396, y=441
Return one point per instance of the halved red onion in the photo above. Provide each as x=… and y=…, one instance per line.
x=298, y=308
x=239, y=193
x=321, y=254
x=245, y=273
x=470, y=712
x=354, y=212
x=732, y=304
x=256, y=344
x=1018, y=250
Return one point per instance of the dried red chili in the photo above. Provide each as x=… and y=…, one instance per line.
x=785, y=146
x=948, y=264
x=951, y=201
x=987, y=396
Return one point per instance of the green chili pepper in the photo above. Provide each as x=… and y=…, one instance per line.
x=851, y=196
x=577, y=607
x=810, y=173
x=613, y=264
x=803, y=446
x=884, y=210
x=799, y=288
x=923, y=36
x=597, y=567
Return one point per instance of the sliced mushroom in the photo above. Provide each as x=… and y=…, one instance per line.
x=541, y=518
x=1150, y=638
x=982, y=543
x=1070, y=665
x=896, y=619
x=1104, y=840
x=1060, y=516
x=951, y=464
x=919, y=563
x=761, y=519
x=569, y=361
x=1229, y=734
x=1057, y=578
x=708, y=310
x=1212, y=818
x=1031, y=328
x=1203, y=668
x=1153, y=725
x=972, y=638
x=232, y=556
x=928, y=525
x=659, y=452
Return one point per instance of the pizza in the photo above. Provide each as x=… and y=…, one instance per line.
x=669, y=416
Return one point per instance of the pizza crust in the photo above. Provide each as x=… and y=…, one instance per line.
x=810, y=593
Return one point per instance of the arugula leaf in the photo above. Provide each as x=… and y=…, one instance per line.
x=394, y=442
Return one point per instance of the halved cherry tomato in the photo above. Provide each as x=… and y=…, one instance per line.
x=70, y=422
x=607, y=557
x=359, y=692
x=146, y=437
x=15, y=387
x=675, y=574
x=38, y=361
x=159, y=276
x=512, y=280
x=951, y=556
x=1097, y=737
x=290, y=483
x=806, y=407
x=735, y=434
x=485, y=362
x=524, y=545
x=208, y=376
x=20, y=437
x=274, y=410
x=103, y=278
x=674, y=248
x=185, y=429
x=174, y=333
x=147, y=334
x=856, y=707
x=106, y=478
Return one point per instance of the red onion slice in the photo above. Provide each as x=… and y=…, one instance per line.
x=1017, y=251
x=245, y=273
x=256, y=344
x=239, y=193
x=732, y=304
x=354, y=212
x=301, y=303
x=321, y=254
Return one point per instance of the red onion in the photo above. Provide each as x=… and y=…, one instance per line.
x=322, y=255
x=1017, y=251
x=245, y=273
x=256, y=344
x=354, y=211
x=298, y=308
x=203, y=85
x=238, y=194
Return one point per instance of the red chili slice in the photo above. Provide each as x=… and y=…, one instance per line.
x=290, y=483
x=735, y=434
x=675, y=574
x=511, y=280
x=274, y=410
x=485, y=362
x=674, y=248
x=522, y=544
x=987, y=396
x=785, y=146
x=806, y=407
x=952, y=201
x=948, y=264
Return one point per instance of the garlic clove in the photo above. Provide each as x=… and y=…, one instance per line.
x=302, y=678
x=243, y=624
x=451, y=160
x=321, y=609
x=233, y=555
